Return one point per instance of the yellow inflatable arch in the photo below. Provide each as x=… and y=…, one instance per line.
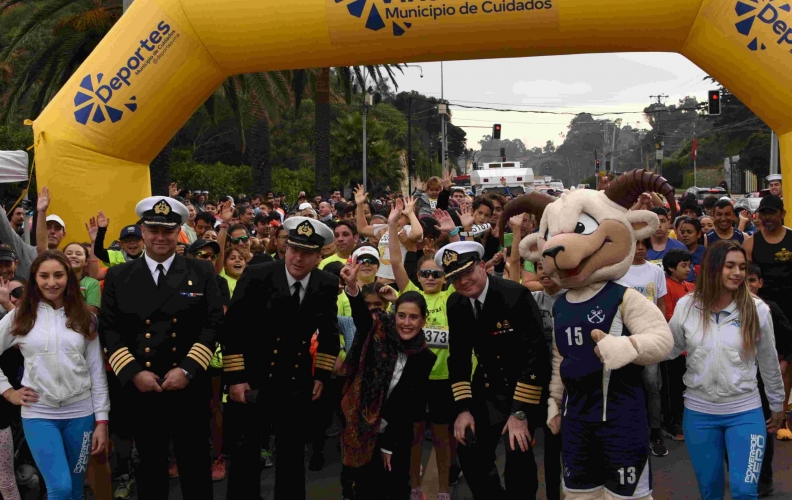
x=163, y=58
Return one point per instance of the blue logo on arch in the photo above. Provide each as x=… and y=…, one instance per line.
x=373, y=15
x=91, y=102
x=769, y=13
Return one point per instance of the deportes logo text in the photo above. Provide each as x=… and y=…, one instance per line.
x=93, y=98
x=773, y=28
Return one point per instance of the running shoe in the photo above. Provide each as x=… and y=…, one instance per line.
x=784, y=434
x=454, y=474
x=675, y=434
x=765, y=489
x=173, y=470
x=444, y=496
x=266, y=456
x=658, y=448
x=124, y=489
x=417, y=494
x=219, y=469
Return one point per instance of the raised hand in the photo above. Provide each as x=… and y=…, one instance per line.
x=360, y=195
x=516, y=221
x=465, y=217
x=349, y=274
x=396, y=211
x=5, y=294
x=43, y=199
x=226, y=210
x=92, y=227
x=445, y=222
x=173, y=189
x=409, y=204
x=102, y=220
x=389, y=294
x=420, y=185
x=447, y=181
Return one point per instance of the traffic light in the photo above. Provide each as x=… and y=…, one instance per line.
x=598, y=165
x=503, y=152
x=496, y=131
x=714, y=102
x=607, y=165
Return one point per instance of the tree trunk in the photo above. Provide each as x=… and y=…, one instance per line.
x=159, y=170
x=322, y=133
x=258, y=151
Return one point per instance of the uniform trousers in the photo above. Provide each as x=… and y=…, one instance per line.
x=181, y=416
x=287, y=413
x=478, y=459
x=374, y=482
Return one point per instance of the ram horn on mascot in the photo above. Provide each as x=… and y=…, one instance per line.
x=586, y=238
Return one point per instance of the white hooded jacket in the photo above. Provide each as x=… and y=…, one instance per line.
x=61, y=365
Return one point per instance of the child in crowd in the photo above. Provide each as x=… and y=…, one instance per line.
x=691, y=234
x=552, y=449
x=676, y=264
x=427, y=199
x=649, y=279
x=782, y=331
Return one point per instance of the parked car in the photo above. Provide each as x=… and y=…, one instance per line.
x=703, y=192
x=758, y=194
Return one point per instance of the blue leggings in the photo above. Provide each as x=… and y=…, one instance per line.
x=740, y=437
x=61, y=449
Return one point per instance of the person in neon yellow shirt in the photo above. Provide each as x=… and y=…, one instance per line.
x=233, y=266
x=346, y=239
x=441, y=402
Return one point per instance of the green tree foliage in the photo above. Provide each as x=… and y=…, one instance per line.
x=217, y=178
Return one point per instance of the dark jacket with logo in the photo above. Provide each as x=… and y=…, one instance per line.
x=507, y=339
x=143, y=327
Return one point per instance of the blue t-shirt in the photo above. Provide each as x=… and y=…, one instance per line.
x=652, y=255
x=695, y=263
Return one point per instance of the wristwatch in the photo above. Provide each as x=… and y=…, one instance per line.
x=519, y=415
x=187, y=374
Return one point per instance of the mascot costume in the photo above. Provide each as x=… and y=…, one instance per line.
x=604, y=332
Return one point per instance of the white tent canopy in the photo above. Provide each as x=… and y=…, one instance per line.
x=13, y=166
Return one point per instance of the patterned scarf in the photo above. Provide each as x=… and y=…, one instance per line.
x=369, y=369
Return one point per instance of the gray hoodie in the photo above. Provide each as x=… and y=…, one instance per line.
x=25, y=253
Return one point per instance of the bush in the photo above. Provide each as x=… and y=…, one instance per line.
x=291, y=182
x=219, y=179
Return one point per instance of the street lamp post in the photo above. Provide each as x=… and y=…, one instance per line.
x=366, y=104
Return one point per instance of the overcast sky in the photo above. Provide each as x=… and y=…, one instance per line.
x=594, y=83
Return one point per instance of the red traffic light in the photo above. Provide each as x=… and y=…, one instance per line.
x=715, y=96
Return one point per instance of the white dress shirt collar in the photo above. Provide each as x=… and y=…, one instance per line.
x=152, y=264
x=291, y=280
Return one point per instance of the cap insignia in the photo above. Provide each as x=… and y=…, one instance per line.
x=305, y=229
x=449, y=257
x=162, y=208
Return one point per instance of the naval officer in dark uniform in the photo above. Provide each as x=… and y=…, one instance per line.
x=276, y=362
x=159, y=319
x=499, y=321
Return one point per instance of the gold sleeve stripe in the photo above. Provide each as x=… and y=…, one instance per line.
x=528, y=392
x=121, y=360
x=327, y=357
x=234, y=363
x=527, y=395
x=232, y=356
x=200, y=355
x=322, y=367
x=527, y=386
x=466, y=395
x=118, y=353
x=204, y=349
x=461, y=389
x=526, y=400
x=233, y=368
x=121, y=366
x=328, y=362
x=201, y=362
x=459, y=384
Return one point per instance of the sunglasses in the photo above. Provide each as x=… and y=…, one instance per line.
x=239, y=239
x=17, y=292
x=431, y=273
x=368, y=260
x=205, y=256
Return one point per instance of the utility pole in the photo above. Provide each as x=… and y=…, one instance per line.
x=773, y=153
x=659, y=142
x=443, y=108
x=695, y=155
x=409, y=146
x=367, y=100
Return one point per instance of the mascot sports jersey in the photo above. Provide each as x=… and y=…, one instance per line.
x=604, y=332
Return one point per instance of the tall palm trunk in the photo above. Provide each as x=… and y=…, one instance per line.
x=259, y=148
x=159, y=170
x=322, y=132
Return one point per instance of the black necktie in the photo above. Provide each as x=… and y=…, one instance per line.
x=161, y=276
x=296, y=295
x=479, y=306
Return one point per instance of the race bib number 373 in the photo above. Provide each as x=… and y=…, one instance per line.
x=436, y=337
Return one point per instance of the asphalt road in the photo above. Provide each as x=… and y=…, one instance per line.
x=673, y=476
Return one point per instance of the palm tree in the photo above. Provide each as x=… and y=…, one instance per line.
x=351, y=79
x=78, y=28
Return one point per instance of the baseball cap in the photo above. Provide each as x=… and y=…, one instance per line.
x=370, y=251
x=199, y=244
x=304, y=206
x=55, y=218
x=770, y=202
x=132, y=230
x=7, y=255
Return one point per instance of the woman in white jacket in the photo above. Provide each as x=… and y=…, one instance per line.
x=727, y=332
x=64, y=395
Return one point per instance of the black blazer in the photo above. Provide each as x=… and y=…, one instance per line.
x=507, y=338
x=143, y=327
x=407, y=403
x=279, y=355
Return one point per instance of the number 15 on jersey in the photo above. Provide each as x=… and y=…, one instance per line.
x=576, y=334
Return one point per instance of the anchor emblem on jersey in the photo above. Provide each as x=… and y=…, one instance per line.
x=597, y=316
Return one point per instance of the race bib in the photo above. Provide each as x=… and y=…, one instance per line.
x=436, y=337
